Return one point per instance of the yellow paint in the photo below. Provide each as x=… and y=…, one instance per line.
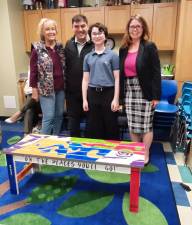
x=93, y=154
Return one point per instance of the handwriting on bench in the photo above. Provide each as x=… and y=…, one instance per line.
x=69, y=163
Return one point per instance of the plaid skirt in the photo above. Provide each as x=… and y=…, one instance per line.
x=139, y=110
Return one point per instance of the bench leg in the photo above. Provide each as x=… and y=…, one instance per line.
x=134, y=189
x=14, y=188
x=25, y=171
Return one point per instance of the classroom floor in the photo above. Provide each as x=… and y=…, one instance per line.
x=179, y=173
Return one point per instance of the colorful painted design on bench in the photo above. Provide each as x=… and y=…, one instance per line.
x=93, y=150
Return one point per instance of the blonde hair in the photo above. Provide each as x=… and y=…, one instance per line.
x=126, y=41
x=41, y=25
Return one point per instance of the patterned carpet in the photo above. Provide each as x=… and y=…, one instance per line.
x=75, y=197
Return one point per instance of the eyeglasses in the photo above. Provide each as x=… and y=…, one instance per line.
x=137, y=27
x=97, y=34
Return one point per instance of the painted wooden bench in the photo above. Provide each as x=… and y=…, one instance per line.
x=89, y=154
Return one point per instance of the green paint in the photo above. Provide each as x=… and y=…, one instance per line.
x=114, y=178
x=2, y=159
x=13, y=140
x=52, y=190
x=148, y=213
x=25, y=219
x=85, y=203
x=83, y=140
x=109, y=178
x=53, y=169
x=150, y=168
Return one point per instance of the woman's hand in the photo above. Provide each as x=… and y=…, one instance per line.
x=154, y=103
x=120, y=108
x=85, y=105
x=35, y=94
x=115, y=105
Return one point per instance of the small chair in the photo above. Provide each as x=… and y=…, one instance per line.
x=187, y=84
x=183, y=126
x=186, y=90
x=169, y=91
x=166, y=112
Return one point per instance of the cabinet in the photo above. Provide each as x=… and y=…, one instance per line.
x=66, y=24
x=116, y=18
x=161, y=19
x=184, y=43
x=164, y=25
x=146, y=11
x=31, y=20
x=93, y=14
x=55, y=15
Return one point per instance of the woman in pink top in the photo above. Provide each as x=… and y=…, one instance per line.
x=140, y=75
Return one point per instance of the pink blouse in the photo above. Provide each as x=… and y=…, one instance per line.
x=130, y=64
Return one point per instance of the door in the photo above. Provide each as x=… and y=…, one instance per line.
x=164, y=25
x=31, y=21
x=116, y=18
x=94, y=14
x=146, y=11
x=66, y=22
x=54, y=14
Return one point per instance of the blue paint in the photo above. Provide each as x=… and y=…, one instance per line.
x=11, y=173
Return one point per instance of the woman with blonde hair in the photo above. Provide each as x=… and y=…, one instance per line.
x=140, y=80
x=47, y=76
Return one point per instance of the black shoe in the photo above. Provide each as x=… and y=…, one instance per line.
x=185, y=187
x=147, y=163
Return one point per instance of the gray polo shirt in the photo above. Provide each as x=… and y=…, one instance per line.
x=101, y=67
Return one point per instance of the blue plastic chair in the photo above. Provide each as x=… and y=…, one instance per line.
x=168, y=91
x=187, y=84
x=186, y=90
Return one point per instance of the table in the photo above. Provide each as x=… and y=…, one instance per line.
x=89, y=154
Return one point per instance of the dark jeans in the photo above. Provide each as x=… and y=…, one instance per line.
x=75, y=112
x=30, y=112
x=102, y=122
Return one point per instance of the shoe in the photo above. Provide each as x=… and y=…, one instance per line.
x=14, y=118
x=8, y=120
x=36, y=130
x=185, y=187
x=147, y=163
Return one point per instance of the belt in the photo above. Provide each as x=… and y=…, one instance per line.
x=132, y=77
x=101, y=89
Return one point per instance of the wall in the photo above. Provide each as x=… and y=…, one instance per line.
x=17, y=31
x=13, y=59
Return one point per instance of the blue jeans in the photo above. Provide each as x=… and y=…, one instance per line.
x=52, y=107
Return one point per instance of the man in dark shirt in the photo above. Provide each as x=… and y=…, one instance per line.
x=75, y=50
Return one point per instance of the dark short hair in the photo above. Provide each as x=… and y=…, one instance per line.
x=78, y=18
x=100, y=27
